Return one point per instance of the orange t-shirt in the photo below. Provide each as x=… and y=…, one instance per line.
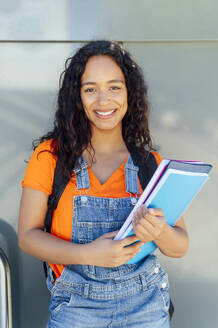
x=39, y=175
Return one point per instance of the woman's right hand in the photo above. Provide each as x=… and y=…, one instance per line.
x=106, y=252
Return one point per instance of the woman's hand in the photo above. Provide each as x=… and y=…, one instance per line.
x=148, y=224
x=106, y=252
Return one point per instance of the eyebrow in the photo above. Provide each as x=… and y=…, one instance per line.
x=110, y=81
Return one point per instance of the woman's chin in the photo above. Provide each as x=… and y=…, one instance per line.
x=106, y=126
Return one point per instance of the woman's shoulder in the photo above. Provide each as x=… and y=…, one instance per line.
x=40, y=169
x=45, y=150
x=44, y=146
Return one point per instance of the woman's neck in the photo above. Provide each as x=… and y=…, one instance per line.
x=107, y=141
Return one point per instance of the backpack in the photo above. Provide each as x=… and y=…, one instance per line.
x=60, y=182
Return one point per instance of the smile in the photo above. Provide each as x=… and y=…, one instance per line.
x=105, y=114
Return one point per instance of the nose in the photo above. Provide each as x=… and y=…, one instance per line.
x=103, y=97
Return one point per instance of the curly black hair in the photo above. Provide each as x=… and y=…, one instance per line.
x=71, y=134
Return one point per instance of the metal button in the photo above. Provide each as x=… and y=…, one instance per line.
x=133, y=201
x=156, y=270
x=164, y=285
x=84, y=199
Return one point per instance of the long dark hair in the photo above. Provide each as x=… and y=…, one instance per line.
x=71, y=134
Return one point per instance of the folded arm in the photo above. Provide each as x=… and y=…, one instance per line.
x=33, y=240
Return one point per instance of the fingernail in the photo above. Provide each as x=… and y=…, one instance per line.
x=151, y=210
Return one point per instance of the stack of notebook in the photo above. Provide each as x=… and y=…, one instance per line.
x=171, y=188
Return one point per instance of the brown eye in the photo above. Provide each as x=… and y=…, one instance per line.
x=89, y=90
x=115, y=88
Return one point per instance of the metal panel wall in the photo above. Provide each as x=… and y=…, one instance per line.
x=123, y=19
x=176, y=45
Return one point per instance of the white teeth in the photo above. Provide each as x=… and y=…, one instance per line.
x=105, y=113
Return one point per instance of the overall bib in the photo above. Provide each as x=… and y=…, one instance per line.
x=88, y=296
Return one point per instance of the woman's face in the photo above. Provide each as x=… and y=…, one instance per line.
x=104, y=93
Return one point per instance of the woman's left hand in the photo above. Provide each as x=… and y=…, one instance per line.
x=148, y=224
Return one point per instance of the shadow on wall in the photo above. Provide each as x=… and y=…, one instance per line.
x=8, y=243
x=191, y=296
x=29, y=294
x=35, y=296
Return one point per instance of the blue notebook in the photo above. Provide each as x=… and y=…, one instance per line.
x=172, y=188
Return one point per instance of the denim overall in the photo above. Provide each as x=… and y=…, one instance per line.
x=88, y=296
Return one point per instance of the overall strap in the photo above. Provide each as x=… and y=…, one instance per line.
x=82, y=174
x=131, y=176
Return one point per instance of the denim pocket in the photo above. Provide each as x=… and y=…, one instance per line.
x=89, y=231
x=58, y=302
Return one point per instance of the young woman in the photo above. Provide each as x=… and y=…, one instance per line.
x=102, y=110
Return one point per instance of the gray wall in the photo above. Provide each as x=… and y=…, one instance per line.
x=176, y=43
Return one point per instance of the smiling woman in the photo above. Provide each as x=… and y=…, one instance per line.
x=104, y=93
x=102, y=114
